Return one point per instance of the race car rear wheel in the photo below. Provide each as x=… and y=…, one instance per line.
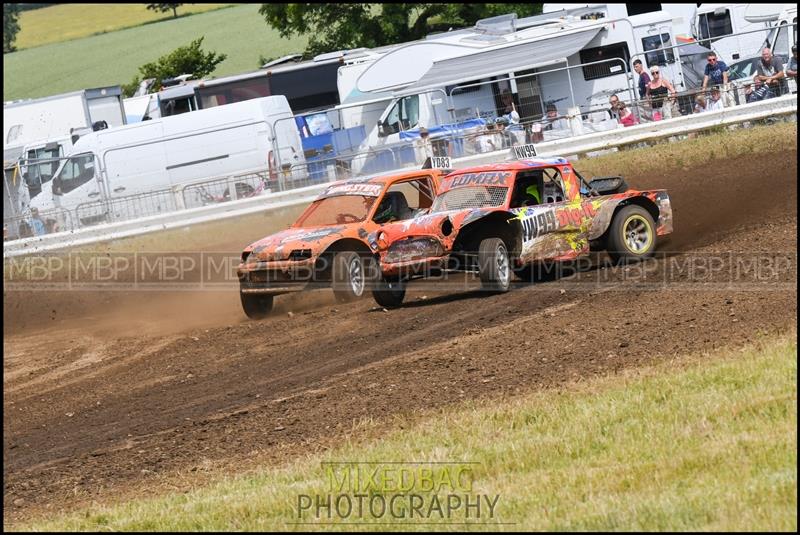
x=494, y=265
x=632, y=235
x=349, y=276
x=256, y=306
x=389, y=294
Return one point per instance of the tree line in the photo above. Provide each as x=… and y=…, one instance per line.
x=329, y=26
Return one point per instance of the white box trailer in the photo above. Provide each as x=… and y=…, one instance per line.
x=58, y=115
x=173, y=151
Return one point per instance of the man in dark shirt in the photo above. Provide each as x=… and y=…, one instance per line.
x=644, y=78
x=716, y=71
x=769, y=71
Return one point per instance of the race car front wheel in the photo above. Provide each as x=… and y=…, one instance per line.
x=256, y=306
x=389, y=294
x=632, y=235
x=494, y=265
x=349, y=276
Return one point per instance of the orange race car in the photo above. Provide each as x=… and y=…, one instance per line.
x=514, y=217
x=328, y=244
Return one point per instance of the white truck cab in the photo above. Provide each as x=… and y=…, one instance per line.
x=173, y=151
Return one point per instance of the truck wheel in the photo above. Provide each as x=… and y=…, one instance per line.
x=632, y=235
x=389, y=294
x=494, y=265
x=256, y=306
x=349, y=276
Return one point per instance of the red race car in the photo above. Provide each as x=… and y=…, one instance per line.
x=512, y=217
x=327, y=245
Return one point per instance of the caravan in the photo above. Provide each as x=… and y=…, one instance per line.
x=173, y=151
x=573, y=61
x=714, y=24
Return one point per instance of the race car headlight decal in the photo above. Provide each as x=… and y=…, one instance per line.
x=413, y=249
x=300, y=254
x=245, y=255
x=381, y=240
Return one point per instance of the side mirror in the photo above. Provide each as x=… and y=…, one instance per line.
x=381, y=129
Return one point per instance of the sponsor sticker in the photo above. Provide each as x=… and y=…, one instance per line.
x=368, y=190
x=491, y=178
x=522, y=152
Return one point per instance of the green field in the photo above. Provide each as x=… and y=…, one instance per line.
x=705, y=442
x=114, y=58
x=65, y=22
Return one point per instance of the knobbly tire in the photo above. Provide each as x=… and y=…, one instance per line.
x=256, y=306
x=494, y=265
x=349, y=276
x=389, y=294
x=632, y=235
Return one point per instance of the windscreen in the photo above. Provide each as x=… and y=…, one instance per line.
x=336, y=210
x=470, y=197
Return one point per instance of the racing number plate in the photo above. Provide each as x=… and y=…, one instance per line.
x=524, y=151
x=440, y=162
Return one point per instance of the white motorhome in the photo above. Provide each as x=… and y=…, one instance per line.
x=683, y=15
x=714, y=24
x=163, y=153
x=784, y=31
x=575, y=61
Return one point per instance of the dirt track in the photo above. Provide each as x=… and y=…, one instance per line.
x=105, y=392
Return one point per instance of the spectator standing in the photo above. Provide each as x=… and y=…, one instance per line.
x=715, y=102
x=659, y=90
x=551, y=119
x=716, y=71
x=423, y=149
x=36, y=224
x=791, y=67
x=506, y=138
x=507, y=100
x=769, y=71
x=644, y=78
x=488, y=141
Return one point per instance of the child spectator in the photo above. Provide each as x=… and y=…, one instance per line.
x=699, y=104
x=715, y=103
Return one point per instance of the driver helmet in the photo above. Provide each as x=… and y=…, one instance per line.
x=533, y=191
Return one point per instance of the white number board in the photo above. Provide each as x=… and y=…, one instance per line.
x=522, y=152
x=440, y=162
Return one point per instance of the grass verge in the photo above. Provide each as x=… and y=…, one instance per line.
x=65, y=22
x=704, y=443
x=115, y=57
x=688, y=154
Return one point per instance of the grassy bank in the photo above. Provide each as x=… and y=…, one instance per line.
x=693, y=153
x=702, y=443
x=115, y=57
x=65, y=22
